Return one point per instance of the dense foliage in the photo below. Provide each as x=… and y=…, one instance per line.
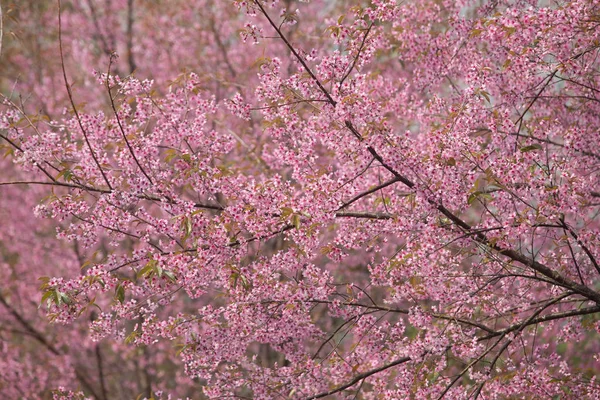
x=365, y=199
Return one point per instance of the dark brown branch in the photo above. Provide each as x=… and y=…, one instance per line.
x=365, y=215
x=16, y=146
x=106, y=191
x=105, y=46
x=468, y=367
x=112, y=104
x=42, y=340
x=523, y=325
x=222, y=48
x=295, y=53
x=70, y=94
x=546, y=82
x=362, y=45
x=368, y=192
x=1, y=29
x=332, y=335
x=583, y=246
x=562, y=78
x=360, y=377
x=101, y=373
x=477, y=391
x=566, y=96
x=130, y=59
x=573, y=256
x=479, y=237
x=552, y=142
x=32, y=331
x=285, y=228
x=56, y=183
x=544, y=318
x=405, y=311
x=291, y=103
x=340, y=214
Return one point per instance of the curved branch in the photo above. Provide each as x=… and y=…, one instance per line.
x=549, y=317
x=360, y=377
x=360, y=49
x=478, y=237
x=64, y=71
x=583, y=246
x=31, y=331
x=365, y=215
x=368, y=192
x=112, y=104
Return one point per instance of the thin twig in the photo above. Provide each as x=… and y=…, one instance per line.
x=479, y=237
x=114, y=108
x=367, y=192
x=583, y=246
x=42, y=340
x=1, y=29
x=64, y=71
x=295, y=53
x=362, y=45
x=525, y=324
x=365, y=215
x=468, y=367
x=106, y=191
x=545, y=318
x=359, y=378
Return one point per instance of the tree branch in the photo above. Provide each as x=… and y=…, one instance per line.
x=479, y=237
x=549, y=317
x=42, y=340
x=70, y=94
x=360, y=377
x=362, y=45
x=368, y=192
x=112, y=104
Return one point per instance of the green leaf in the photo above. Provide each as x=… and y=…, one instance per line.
x=472, y=197
x=510, y=30
x=120, y=293
x=245, y=282
x=531, y=147
x=486, y=95
x=46, y=297
x=188, y=226
x=44, y=280
x=475, y=32
x=67, y=174
x=170, y=275
x=9, y=150
x=149, y=269
x=479, y=196
x=296, y=221
x=170, y=155
x=131, y=337
x=181, y=348
x=144, y=271
x=64, y=298
x=233, y=279
x=286, y=212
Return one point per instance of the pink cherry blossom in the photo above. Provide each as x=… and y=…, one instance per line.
x=300, y=199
